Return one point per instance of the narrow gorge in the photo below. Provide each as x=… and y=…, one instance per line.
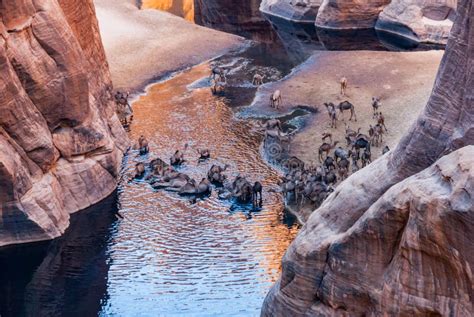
x=215, y=158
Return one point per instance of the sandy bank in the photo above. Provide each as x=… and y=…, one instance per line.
x=403, y=81
x=144, y=44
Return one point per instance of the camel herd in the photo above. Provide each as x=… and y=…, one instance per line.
x=312, y=184
x=301, y=184
x=166, y=176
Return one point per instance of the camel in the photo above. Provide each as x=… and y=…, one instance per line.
x=173, y=181
x=340, y=153
x=294, y=164
x=351, y=135
x=381, y=121
x=326, y=148
x=346, y=105
x=330, y=178
x=343, y=83
x=332, y=114
x=366, y=157
x=257, y=194
x=329, y=163
x=378, y=134
x=139, y=170
x=244, y=192
x=215, y=174
x=257, y=79
x=273, y=124
x=355, y=158
x=375, y=105
x=218, y=84
x=158, y=166
x=217, y=72
x=191, y=188
x=143, y=145
x=178, y=157
x=327, y=135
x=204, y=154
x=361, y=143
x=275, y=99
x=343, y=172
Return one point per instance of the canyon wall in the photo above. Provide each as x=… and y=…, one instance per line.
x=243, y=18
x=394, y=239
x=61, y=143
x=422, y=21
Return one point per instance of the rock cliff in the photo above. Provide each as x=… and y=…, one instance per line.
x=417, y=20
x=394, y=239
x=61, y=142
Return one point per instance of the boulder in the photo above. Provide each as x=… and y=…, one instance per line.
x=419, y=20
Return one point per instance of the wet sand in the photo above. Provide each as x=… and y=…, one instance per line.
x=142, y=45
x=402, y=80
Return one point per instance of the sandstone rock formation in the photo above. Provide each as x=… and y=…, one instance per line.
x=61, y=142
x=224, y=15
x=342, y=14
x=293, y=10
x=395, y=238
x=419, y=20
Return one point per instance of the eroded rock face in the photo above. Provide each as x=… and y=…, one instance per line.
x=243, y=18
x=60, y=139
x=419, y=20
x=395, y=238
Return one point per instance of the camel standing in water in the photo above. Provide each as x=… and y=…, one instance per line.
x=143, y=145
x=257, y=80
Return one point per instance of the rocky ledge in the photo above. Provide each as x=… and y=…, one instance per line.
x=416, y=20
x=61, y=143
x=394, y=239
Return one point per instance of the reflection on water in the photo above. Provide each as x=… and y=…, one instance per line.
x=182, y=8
x=166, y=256
x=169, y=256
x=64, y=277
